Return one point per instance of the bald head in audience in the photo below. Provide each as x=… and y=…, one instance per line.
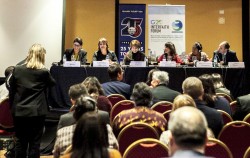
x=188, y=128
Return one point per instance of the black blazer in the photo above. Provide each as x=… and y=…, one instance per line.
x=230, y=57
x=28, y=89
x=82, y=55
x=242, y=108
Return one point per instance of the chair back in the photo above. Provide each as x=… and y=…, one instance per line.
x=134, y=132
x=247, y=153
x=225, y=116
x=6, y=120
x=216, y=148
x=247, y=118
x=233, y=106
x=146, y=148
x=162, y=106
x=226, y=96
x=236, y=136
x=115, y=98
x=119, y=107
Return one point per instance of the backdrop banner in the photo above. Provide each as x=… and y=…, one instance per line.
x=131, y=26
x=166, y=23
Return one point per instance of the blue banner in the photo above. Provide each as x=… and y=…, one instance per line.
x=131, y=27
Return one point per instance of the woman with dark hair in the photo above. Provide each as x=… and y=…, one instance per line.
x=219, y=85
x=90, y=139
x=210, y=97
x=95, y=90
x=134, y=54
x=170, y=53
x=197, y=54
x=103, y=52
x=76, y=53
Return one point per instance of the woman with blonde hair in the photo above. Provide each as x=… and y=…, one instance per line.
x=183, y=100
x=28, y=86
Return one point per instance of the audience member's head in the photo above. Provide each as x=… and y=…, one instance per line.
x=115, y=72
x=188, y=128
x=92, y=83
x=193, y=87
x=36, y=57
x=90, y=137
x=150, y=75
x=83, y=105
x=142, y=95
x=159, y=77
x=75, y=91
x=8, y=70
x=217, y=79
x=209, y=90
x=183, y=100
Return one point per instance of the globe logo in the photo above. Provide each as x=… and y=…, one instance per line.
x=177, y=25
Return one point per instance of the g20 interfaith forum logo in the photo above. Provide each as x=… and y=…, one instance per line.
x=177, y=26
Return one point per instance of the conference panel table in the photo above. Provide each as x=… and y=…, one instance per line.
x=234, y=79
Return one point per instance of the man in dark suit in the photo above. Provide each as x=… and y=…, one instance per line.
x=115, y=86
x=242, y=108
x=188, y=133
x=161, y=92
x=224, y=54
x=75, y=92
x=193, y=87
x=77, y=53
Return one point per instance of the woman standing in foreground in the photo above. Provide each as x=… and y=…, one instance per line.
x=28, y=87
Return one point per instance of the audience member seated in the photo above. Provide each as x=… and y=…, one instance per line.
x=75, y=91
x=104, y=53
x=77, y=53
x=210, y=97
x=197, y=54
x=115, y=86
x=134, y=54
x=4, y=92
x=224, y=54
x=170, y=53
x=95, y=90
x=142, y=96
x=219, y=85
x=150, y=75
x=160, y=90
x=90, y=140
x=188, y=133
x=193, y=87
x=242, y=108
x=64, y=135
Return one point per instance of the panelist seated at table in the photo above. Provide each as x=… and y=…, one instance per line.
x=104, y=53
x=134, y=54
x=197, y=54
x=76, y=53
x=169, y=54
x=224, y=54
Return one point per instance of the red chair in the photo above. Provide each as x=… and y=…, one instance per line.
x=236, y=136
x=120, y=106
x=134, y=132
x=216, y=148
x=115, y=98
x=146, y=148
x=6, y=120
x=233, y=106
x=247, y=153
x=226, y=96
x=225, y=116
x=162, y=106
x=247, y=118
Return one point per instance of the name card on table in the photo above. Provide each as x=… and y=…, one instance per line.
x=104, y=63
x=167, y=64
x=236, y=64
x=71, y=64
x=204, y=64
x=137, y=64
